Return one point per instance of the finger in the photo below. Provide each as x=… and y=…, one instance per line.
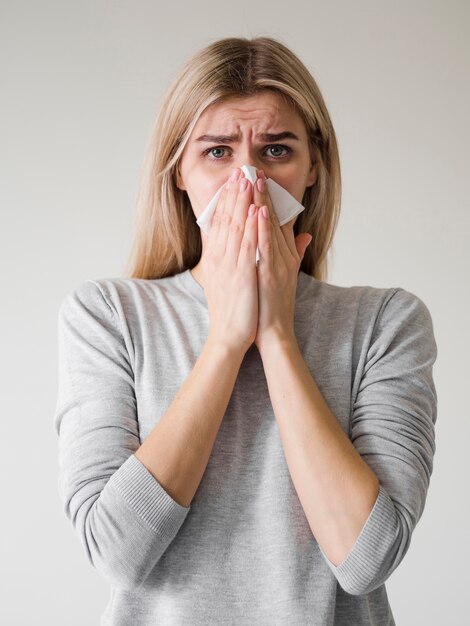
x=262, y=198
x=278, y=233
x=224, y=214
x=279, y=245
x=286, y=230
x=236, y=228
x=266, y=240
x=247, y=251
x=213, y=234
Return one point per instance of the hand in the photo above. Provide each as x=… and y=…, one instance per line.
x=280, y=257
x=228, y=266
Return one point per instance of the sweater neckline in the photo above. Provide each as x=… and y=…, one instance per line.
x=191, y=285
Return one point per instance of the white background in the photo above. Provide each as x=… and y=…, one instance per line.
x=81, y=83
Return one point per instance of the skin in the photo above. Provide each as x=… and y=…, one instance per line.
x=202, y=175
x=335, y=485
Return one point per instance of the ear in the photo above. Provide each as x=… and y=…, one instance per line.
x=313, y=175
x=179, y=180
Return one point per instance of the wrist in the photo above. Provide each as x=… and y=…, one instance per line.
x=230, y=351
x=275, y=340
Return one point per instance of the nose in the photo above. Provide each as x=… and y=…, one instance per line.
x=253, y=162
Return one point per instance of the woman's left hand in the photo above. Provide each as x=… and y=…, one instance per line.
x=280, y=257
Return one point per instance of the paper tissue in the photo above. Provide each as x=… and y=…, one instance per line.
x=284, y=204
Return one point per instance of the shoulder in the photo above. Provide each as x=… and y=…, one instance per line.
x=115, y=289
x=369, y=312
x=359, y=301
x=364, y=298
x=330, y=293
x=119, y=299
x=90, y=294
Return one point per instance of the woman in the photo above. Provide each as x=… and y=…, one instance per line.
x=243, y=443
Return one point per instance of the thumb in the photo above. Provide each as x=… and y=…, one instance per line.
x=302, y=242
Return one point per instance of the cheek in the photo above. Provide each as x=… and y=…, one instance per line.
x=293, y=186
x=201, y=190
x=298, y=192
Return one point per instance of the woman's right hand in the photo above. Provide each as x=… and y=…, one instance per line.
x=228, y=267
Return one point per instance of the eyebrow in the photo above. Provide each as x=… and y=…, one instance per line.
x=235, y=138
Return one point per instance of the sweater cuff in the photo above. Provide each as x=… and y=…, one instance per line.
x=369, y=553
x=147, y=498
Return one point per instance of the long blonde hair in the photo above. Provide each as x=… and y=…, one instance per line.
x=167, y=239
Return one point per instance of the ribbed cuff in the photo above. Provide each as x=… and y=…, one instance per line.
x=371, y=550
x=148, y=498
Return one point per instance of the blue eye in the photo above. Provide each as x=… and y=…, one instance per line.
x=219, y=149
x=213, y=150
x=277, y=146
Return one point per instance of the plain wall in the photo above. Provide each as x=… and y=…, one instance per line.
x=81, y=84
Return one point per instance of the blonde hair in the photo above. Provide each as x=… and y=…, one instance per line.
x=166, y=238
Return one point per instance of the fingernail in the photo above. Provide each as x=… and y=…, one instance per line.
x=260, y=184
x=235, y=174
x=252, y=209
x=264, y=211
x=243, y=184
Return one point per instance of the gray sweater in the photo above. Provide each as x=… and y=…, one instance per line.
x=242, y=553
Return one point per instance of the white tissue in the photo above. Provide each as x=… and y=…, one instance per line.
x=284, y=204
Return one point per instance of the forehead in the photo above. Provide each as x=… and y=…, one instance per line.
x=263, y=110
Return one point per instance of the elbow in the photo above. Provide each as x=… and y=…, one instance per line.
x=123, y=560
x=113, y=565
x=124, y=579
x=121, y=544
x=359, y=576
x=379, y=549
x=361, y=587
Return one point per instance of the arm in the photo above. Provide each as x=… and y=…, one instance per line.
x=335, y=485
x=363, y=497
x=124, y=517
x=177, y=450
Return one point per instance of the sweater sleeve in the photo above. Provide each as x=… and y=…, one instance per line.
x=392, y=427
x=124, y=518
